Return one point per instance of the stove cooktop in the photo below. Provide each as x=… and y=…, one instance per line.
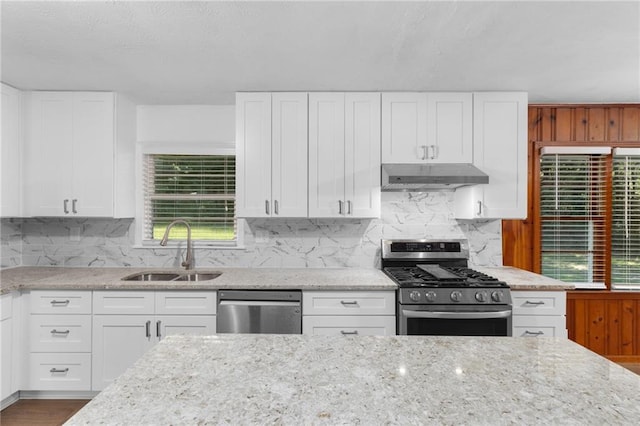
x=435, y=276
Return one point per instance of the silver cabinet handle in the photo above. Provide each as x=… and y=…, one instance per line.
x=434, y=151
x=59, y=302
x=74, y=203
x=59, y=370
x=54, y=331
x=66, y=206
x=148, y=329
x=158, y=328
x=340, y=209
x=348, y=206
x=456, y=315
x=349, y=333
x=424, y=152
x=275, y=206
x=479, y=208
x=533, y=333
x=538, y=303
x=349, y=303
x=266, y=206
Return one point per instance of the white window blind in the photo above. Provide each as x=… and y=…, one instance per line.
x=573, y=217
x=625, y=232
x=197, y=188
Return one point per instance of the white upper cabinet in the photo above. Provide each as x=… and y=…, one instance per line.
x=344, y=155
x=422, y=127
x=69, y=154
x=500, y=143
x=271, y=148
x=11, y=152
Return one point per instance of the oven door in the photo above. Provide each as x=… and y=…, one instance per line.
x=454, y=320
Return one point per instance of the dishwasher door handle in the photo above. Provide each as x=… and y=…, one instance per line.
x=258, y=303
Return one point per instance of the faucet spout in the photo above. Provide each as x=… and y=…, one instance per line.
x=188, y=259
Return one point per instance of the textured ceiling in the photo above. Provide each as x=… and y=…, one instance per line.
x=203, y=52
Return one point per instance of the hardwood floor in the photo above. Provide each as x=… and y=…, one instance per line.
x=40, y=412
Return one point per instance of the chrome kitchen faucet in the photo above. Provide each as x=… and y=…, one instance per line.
x=188, y=260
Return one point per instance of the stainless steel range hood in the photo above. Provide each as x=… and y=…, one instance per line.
x=430, y=177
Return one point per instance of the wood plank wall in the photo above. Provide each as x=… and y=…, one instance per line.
x=606, y=322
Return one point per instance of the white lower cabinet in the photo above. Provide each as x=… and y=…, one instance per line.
x=128, y=323
x=539, y=314
x=59, y=341
x=349, y=313
x=6, y=337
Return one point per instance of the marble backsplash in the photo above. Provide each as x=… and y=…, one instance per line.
x=283, y=243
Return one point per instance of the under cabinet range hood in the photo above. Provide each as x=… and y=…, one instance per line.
x=430, y=177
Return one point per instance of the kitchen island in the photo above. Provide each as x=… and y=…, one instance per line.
x=293, y=379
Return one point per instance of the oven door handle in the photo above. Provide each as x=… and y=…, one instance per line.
x=456, y=315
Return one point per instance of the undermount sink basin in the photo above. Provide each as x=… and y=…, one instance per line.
x=198, y=276
x=172, y=276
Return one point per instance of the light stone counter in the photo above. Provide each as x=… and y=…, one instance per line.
x=519, y=279
x=48, y=278
x=294, y=380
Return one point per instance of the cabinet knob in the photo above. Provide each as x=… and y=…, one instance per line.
x=266, y=206
x=65, y=206
x=479, y=212
x=275, y=206
x=74, y=203
x=340, y=209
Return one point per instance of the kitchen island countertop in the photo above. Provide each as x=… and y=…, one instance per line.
x=286, y=379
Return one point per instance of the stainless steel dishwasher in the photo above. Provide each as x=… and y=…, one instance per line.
x=259, y=311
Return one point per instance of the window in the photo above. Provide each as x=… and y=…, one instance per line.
x=589, y=216
x=197, y=187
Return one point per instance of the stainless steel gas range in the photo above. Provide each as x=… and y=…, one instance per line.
x=439, y=295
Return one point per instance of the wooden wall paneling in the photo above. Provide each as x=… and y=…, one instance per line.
x=612, y=326
x=596, y=124
x=630, y=124
x=548, y=125
x=613, y=124
x=629, y=318
x=596, y=332
x=535, y=119
x=580, y=124
x=578, y=324
x=564, y=125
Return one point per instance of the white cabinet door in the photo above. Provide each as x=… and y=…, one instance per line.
x=6, y=336
x=362, y=155
x=11, y=153
x=289, y=155
x=69, y=154
x=449, y=127
x=166, y=325
x=326, y=155
x=48, y=154
x=404, y=127
x=118, y=342
x=253, y=153
x=500, y=150
x=93, y=154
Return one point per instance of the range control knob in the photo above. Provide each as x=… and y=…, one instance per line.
x=456, y=295
x=431, y=296
x=415, y=296
x=482, y=296
x=497, y=296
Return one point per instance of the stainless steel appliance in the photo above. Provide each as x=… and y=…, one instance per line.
x=257, y=311
x=439, y=295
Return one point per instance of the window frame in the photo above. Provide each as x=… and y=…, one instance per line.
x=536, y=190
x=178, y=148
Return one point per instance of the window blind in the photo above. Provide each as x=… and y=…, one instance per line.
x=625, y=231
x=197, y=188
x=573, y=217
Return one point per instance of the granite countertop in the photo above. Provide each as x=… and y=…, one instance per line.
x=519, y=279
x=49, y=278
x=287, y=379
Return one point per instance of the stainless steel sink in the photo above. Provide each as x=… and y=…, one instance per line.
x=152, y=276
x=198, y=276
x=172, y=276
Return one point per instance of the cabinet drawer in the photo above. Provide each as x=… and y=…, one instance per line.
x=539, y=302
x=349, y=303
x=349, y=326
x=60, y=333
x=59, y=371
x=123, y=302
x=60, y=302
x=6, y=306
x=186, y=302
x=539, y=326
